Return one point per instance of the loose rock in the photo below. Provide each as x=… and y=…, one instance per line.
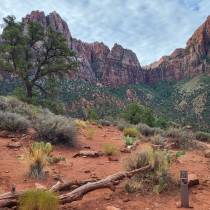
x=39, y=186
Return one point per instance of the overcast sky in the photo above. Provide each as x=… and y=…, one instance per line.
x=150, y=28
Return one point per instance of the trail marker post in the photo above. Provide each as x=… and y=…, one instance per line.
x=184, y=189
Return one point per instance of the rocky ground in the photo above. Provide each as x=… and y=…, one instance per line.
x=13, y=170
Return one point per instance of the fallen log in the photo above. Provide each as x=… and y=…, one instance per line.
x=78, y=193
x=88, y=153
x=11, y=198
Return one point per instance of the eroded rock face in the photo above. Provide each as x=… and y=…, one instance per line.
x=188, y=62
x=121, y=67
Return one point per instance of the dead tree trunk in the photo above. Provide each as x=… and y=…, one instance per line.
x=11, y=198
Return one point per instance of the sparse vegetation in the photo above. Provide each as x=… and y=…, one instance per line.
x=55, y=129
x=13, y=122
x=202, y=136
x=39, y=200
x=129, y=140
x=160, y=167
x=156, y=139
x=99, y=126
x=90, y=133
x=131, y=132
x=110, y=150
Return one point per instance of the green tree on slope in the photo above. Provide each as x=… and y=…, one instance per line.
x=36, y=57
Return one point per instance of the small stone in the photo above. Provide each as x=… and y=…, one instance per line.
x=87, y=147
x=87, y=171
x=23, y=135
x=7, y=171
x=39, y=186
x=14, y=145
x=84, y=156
x=112, y=158
x=103, y=135
x=112, y=208
x=15, y=150
x=126, y=199
x=207, y=153
x=107, y=161
x=24, y=180
x=10, y=136
x=178, y=204
x=14, y=139
x=107, y=197
x=125, y=150
x=192, y=180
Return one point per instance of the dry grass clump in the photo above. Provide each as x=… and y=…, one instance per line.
x=132, y=132
x=36, y=163
x=90, y=133
x=100, y=126
x=94, y=123
x=144, y=181
x=81, y=124
x=110, y=150
x=13, y=122
x=55, y=129
x=156, y=139
x=38, y=200
x=202, y=136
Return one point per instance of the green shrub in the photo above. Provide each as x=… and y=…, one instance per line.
x=131, y=132
x=94, y=123
x=173, y=132
x=109, y=118
x=122, y=125
x=202, y=136
x=55, y=129
x=159, y=131
x=13, y=122
x=110, y=149
x=90, y=133
x=104, y=122
x=100, y=126
x=161, y=123
x=156, y=140
x=145, y=129
x=38, y=200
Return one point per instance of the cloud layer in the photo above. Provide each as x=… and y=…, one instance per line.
x=151, y=29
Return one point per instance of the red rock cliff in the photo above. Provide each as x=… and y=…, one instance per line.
x=121, y=67
x=188, y=62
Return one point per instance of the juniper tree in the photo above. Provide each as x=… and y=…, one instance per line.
x=36, y=57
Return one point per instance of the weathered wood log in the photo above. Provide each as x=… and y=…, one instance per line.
x=78, y=193
x=11, y=198
x=88, y=153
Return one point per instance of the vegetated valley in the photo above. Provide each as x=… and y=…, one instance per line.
x=185, y=103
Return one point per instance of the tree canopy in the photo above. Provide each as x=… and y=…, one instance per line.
x=36, y=57
x=135, y=114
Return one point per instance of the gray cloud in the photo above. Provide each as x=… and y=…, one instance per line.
x=151, y=29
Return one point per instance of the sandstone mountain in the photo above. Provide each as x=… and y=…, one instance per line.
x=121, y=66
x=184, y=63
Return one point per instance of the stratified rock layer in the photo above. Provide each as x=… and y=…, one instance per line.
x=185, y=63
x=121, y=66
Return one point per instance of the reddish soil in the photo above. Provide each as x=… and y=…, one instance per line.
x=13, y=170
